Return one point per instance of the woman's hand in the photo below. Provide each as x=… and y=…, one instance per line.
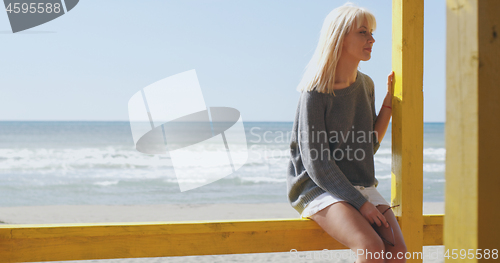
x=390, y=90
x=371, y=213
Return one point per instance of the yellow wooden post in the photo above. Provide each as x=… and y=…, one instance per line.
x=472, y=129
x=407, y=121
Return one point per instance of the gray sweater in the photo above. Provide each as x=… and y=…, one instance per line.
x=332, y=144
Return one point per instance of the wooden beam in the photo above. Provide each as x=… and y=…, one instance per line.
x=52, y=242
x=433, y=230
x=472, y=126
x=407, y=120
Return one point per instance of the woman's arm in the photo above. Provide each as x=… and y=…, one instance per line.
x=385, y=113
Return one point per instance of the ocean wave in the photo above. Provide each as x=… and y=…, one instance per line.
x=69, y=159
x=261, y=179
x=115, y=163
x=106, y=183
x=383, y=160
x=116, y=158
x=434, y=167
x=428, y=167
x=78, y=159
x=437, y=180
x=436, y=154
x=384, y=151
x=383, y=177
x=430, y=153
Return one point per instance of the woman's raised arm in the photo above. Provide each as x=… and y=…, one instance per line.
x=385, y=113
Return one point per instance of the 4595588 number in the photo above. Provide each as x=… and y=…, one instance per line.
x=33, y=8
x=471, y=253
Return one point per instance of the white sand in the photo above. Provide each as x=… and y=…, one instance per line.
x=169, y=212
x=141, y=213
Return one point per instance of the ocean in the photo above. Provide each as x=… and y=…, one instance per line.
x=76, y=163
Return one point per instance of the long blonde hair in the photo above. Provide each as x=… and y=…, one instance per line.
x=320, y=71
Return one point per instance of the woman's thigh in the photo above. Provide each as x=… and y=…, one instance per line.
x=345, y=223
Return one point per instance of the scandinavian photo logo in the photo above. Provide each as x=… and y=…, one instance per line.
x=205, y=144
x=25, y=14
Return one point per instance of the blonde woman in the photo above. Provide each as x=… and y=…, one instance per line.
x=336, y=132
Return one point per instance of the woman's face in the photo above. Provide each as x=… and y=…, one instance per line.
x=358, y=42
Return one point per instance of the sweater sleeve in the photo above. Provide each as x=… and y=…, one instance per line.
x=315, y=151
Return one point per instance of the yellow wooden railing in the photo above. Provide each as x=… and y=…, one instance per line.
x=52, y=242
x=472, y=110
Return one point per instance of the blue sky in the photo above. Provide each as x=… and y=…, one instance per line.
x=249, y=55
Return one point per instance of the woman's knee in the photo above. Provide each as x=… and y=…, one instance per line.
x=371, y=250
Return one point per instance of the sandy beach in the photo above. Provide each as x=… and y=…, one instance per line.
x=184, y=212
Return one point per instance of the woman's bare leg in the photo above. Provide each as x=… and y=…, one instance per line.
x=345, y=223
x=400, y=246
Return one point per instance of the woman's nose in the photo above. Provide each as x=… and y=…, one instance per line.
x=371, y=39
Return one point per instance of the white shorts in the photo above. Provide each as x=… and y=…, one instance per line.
x=326, y=199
